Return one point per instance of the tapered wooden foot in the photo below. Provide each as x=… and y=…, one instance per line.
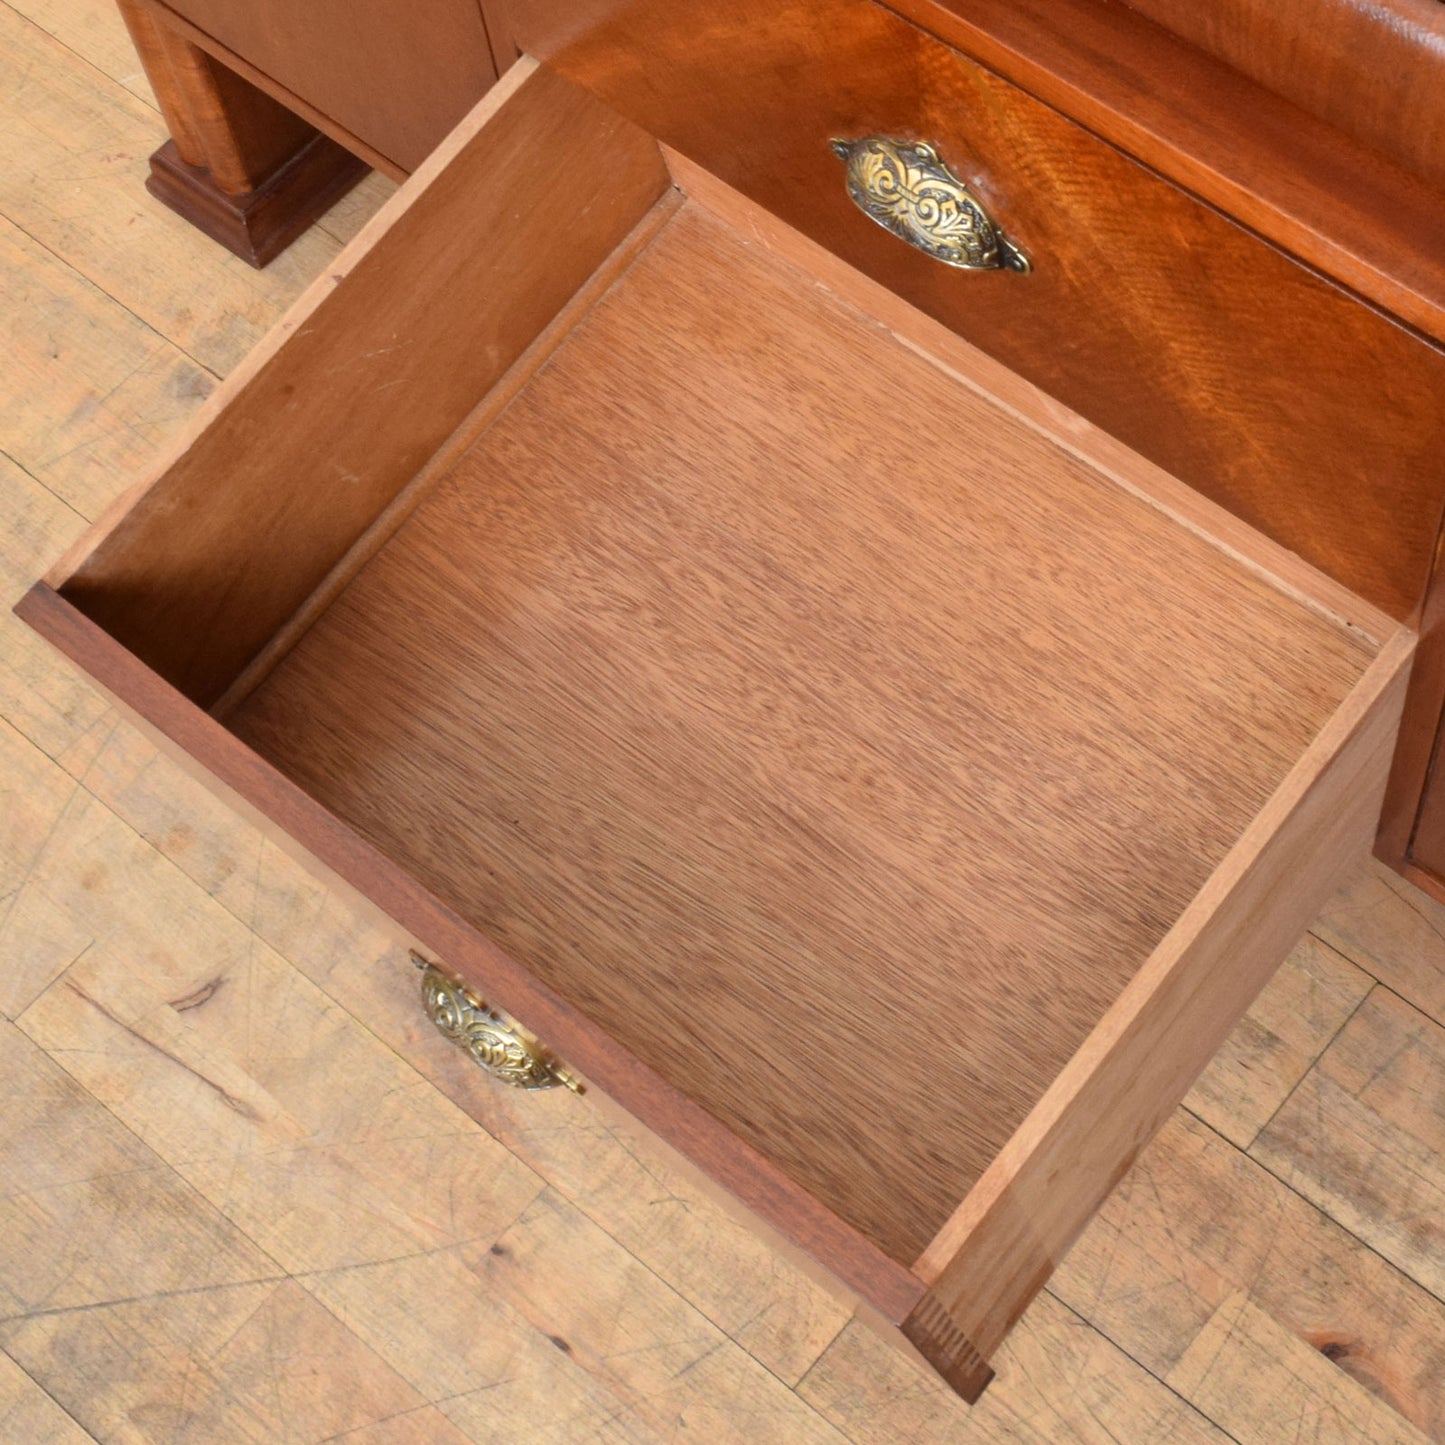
x=239, y=165
x=257, y=224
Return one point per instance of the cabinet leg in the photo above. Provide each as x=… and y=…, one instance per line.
x=239, y=166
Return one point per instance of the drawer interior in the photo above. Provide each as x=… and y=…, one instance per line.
x=837, y=742
x=883, y=784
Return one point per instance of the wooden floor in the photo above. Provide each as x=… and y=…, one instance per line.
x=233, y=1212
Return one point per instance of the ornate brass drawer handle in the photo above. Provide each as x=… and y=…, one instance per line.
x=906, y=188
x=503, y=1048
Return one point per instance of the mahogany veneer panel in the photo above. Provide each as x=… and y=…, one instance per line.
x=836, y=741
x=1375, y=68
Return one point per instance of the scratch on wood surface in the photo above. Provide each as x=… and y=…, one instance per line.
x=197, y=997
x=240, y=1106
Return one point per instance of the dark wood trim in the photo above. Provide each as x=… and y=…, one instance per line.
x=1416, y=749
x=932, y=1330
x=1426, y=881
x=247, y=781
x=259, y=224
x=501, y=39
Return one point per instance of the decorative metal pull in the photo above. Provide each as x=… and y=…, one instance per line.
x=503, y=1048
x=906, y=188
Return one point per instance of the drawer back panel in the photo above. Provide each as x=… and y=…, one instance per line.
x=1255, y=380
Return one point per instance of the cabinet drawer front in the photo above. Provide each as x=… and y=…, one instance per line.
x=1266, y=387
x=865, y=773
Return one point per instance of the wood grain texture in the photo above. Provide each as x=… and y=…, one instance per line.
x=260, y=224
x=1196, y=1223
x=1402, y=840
x=240, y=166
x=980, y=374
x=206, y=1055
x=372, y=881
x=658, y=1211
x=1117, y=1091
x=28, y=1413
x=257, y=1362
x=399, y=79
x=98, y=34
x=1216, y=356
x=74, y=188
x=1286, y=1029
x=1426, y=847
x=1232, y=142
x=1262, y=1383
x=193, y=591
x=439, y=464
x=69, y=1162
x=1395, y=932
x=218, y=122
x=1108, y=1400
x=41, y=699
x=1364, y=1134
x=1374, y=68
x=666, y=596
x=121, y=389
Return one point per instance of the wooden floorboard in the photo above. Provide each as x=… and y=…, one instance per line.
x=247, y=1195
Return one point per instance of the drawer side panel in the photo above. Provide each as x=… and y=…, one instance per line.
x=1017, y=1224
x=365, y=378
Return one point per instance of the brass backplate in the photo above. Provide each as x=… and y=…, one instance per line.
x=907, y=189
x=500, y=1045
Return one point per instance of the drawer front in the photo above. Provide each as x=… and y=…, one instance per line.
x=397, y=77
x=1266, y=387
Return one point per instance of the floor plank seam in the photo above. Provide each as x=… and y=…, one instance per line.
x=1309, y=1068
x=67, y=1413
x=1323, y=1213
x=61, y=259
x=1419, y=1007
x=1410, y=1003
x=1103, y=1333
x=817, y=1359
x=106, y=1304
x=82, y=59
x=45, y=486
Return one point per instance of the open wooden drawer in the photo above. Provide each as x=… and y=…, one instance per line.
x=882, y=785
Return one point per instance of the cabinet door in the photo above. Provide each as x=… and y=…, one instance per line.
x=397, y=76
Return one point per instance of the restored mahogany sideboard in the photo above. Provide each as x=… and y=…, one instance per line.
x=796, y=563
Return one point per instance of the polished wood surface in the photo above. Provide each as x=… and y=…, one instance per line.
x=1249, y=377
x=1375, y=68
x=123, y=1282
x=186, y=579
x=240, y=166
x=1333, y=201
x=498, y=703
x=398, y=77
